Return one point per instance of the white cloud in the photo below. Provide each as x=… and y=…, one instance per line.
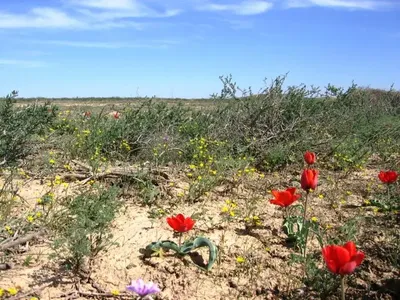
x=22, y=63
x=249, y=7
x=106, y=4
x=108, y=45
x=85, y=14
x=39, y=18
x=350, y=4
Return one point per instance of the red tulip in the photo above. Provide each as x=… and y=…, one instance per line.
x=342, y=259
x=309, y=179
x=310, y=157
x=284, y=198
x=180, y=223
x=116, y=115
x=388, y=177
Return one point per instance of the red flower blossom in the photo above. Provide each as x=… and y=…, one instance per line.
x=116, y=115
x=309, y=179
x=388, y=177
x=342, y=259
x=284, y=198
x=87, y=114
x=180, y=223
x=310, y=157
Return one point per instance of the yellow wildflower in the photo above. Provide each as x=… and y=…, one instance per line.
x=115, y=292
x=314, y=219
x=30, y=219
x=240, y=259
x=12, y=291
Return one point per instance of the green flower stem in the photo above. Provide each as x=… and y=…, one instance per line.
x=304, y=224
x=306, y=238
x=388, y=192
x=342, y=284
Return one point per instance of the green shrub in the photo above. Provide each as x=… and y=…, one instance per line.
x=18, y=125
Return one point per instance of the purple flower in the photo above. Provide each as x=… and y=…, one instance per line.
x=143, y=289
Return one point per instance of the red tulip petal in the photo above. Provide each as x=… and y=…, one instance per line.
x=358, y=257
x=275, y=194
x=180, y=218
x=336, y=257
x=330, y=263
x=296, y=197
x=276, y=202
x=285, y=197
x=342, y=255
x=348, y=268
x=382, y=176
x=351, y=247
x=189, y=223
x=173, y=222
x=291, y=190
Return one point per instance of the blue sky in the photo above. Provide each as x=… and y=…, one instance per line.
x=179, y=48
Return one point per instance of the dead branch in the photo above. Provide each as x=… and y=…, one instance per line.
x=21, y=240
x=113, y=173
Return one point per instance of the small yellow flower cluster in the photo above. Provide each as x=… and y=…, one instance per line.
x=9, y=229
x=32, y=217
x=96, y=154
x=125, y=145
x=255, y=221
x=67, y=167
x=22, y=173
x=12, y=291
x=229, y=208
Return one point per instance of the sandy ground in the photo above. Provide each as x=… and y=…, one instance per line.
x=264, y=274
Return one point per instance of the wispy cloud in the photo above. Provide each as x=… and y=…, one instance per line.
x=22, y=63
x=249, y=7
x=106, y=4
x=109, y=45
x=39, y=18
x=85, y=14
x=350, y=4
